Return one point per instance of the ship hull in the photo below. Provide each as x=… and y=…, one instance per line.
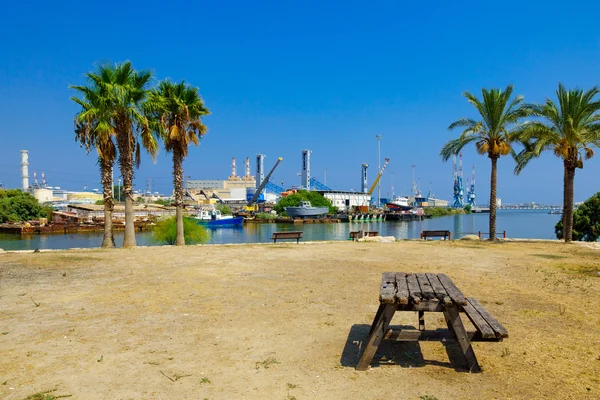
x=305, y=211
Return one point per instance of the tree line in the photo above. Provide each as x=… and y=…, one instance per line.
x=121, y=114
x=569, y=128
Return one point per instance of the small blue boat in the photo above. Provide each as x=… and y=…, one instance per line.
x=214, y=218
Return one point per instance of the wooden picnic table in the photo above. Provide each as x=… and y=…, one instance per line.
x=425, y=292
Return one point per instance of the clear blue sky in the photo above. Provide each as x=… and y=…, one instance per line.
x=280, y=77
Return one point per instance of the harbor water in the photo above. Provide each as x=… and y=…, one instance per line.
x=533, y=224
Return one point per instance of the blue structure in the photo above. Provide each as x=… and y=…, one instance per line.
x=316, y=185
x=274, y=188
x=471, y=192
x=459, y=190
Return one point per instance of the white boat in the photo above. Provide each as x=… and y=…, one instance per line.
x=305, y=209
x=399, y=203
x=215, y=218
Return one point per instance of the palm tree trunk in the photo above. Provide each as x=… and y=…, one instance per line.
x=106, y=169
x=568, y=199
x=178, y=186
x=493, y=181
x=126, y=146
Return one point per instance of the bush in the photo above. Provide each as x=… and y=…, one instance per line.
x=265, y=216
x=440, y=211
x=16, y=206
x=586, y=221
x=165, y=231
x=293, y=200
x=225, y=210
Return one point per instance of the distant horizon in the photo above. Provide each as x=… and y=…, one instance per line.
x=279, y=78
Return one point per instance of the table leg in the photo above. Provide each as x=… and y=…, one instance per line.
x=381, y=324
x=456, y=326
x=379, y=311
x=421, y=320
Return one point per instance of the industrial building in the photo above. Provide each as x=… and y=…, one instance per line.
x=345, y=201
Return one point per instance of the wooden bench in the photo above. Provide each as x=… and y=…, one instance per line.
x=287, y=235
x=444, y=234
x=425, y=292
x=358, y=234
x=488, y=328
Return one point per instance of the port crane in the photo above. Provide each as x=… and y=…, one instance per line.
x=250, y=206
x=370, y=192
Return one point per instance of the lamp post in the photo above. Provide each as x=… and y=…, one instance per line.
x=325, y=177
x=378, y=169
x=119, y=189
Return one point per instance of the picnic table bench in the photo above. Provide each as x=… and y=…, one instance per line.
x=441, y=233
x=287, y=235
x=426, y=292
x=358, y=234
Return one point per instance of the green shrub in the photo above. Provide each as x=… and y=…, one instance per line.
x=439, y=211
x=586, y=221
x=293, y=200
x=17, y=206
x=165, y=231
x=265, y=216
x=225, y=210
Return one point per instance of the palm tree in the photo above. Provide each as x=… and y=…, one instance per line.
x=175, y=111
x=123, y=90
x=92, y=129
x=493, y=134
x=570, y=129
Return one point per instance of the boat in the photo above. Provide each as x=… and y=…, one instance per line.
x=555, y=212
x=399, y=203
x=305, y=209
x=214, y=218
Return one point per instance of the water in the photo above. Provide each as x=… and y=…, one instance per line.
x=517, y=223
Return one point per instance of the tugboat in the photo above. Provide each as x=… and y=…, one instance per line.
x=305, y=209
x=399, y=203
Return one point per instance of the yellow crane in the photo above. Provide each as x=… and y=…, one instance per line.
x=387, y=160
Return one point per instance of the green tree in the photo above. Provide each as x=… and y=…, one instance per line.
x=293, y=200
x=165, y=231
x=94, y=130
x=175, y=111
x=586, y=221
x=569, y=129
x=493, y=134
x=122, y=91
x=16, y=206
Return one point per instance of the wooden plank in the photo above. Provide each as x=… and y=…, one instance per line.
x=454, y=293
x=499, y=330
x=478, y=321
x=438, y=288
x=376, y=336
x=401, y=288
x=412, y=335
x=455, y=324
x=426, y=289
x=414, y=291
x=388, y=288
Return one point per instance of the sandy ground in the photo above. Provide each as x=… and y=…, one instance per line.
x=286, y=321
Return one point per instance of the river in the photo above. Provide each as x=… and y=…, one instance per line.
x=534, y=224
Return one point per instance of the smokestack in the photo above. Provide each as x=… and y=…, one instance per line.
x=25, y=170
x=247, y=167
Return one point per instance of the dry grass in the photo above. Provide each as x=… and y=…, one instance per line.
x=157, y=322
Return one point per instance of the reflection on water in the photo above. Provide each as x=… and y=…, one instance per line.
x=517, y=223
